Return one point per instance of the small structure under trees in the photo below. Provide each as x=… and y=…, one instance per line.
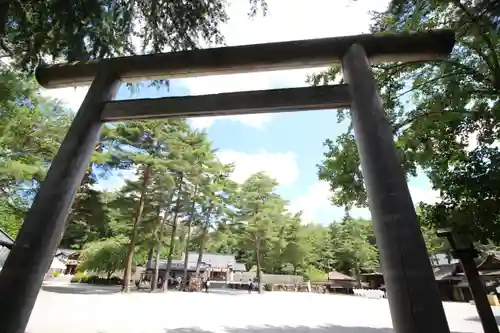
x=215, y=266
x=412, y=292
x=338, y=282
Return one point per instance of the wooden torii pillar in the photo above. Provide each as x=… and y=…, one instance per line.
x=412, y=292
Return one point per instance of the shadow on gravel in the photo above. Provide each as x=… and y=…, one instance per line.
x=288, y=329
x=228, y=292
x=77, y=289
x=479, y=320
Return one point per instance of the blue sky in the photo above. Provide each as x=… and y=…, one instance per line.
x=287, y=146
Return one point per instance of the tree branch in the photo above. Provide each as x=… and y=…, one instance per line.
x=410, y=120
x=484, y=35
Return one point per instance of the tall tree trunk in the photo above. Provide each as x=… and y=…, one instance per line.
x=203, y=239
x=259, y=277
x=200, y=251
x=174, y=231
x=150, y=256
x=186, y=254
x=171, y=251
x=154, y=281
x=133, y=238
x=162, y=232
x=357, y=272
x=188, y=238
x=157, y=238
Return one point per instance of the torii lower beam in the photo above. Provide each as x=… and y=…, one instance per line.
x=24, y=269
x=238, y=103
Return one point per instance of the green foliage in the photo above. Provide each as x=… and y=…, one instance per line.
x=315, y=275
x=258, y=207
x=32, y=31
x=106, y=256
x=31, y=129
x=356, y=251
x=79, y=277
x=56, y=274
x=97, y=280
x=11, y=218
x=445, y=116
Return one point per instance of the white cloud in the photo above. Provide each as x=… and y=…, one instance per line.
x=316, y=207
x=313, y=202
x=201, y=123
x=253, y=120
x=281, y=166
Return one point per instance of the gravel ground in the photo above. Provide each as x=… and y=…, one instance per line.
x=63, y=308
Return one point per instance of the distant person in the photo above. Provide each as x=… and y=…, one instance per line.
x=178, y=283
x=250, y=286
x=207, y=285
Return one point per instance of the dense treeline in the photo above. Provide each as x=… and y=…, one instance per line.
x=445, y=117
x=181, y=199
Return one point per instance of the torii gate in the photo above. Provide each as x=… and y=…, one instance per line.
x=412, y=292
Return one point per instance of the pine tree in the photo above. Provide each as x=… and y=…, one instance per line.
x=258, y=206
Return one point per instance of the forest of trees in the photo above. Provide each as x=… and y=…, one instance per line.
x=183, y=197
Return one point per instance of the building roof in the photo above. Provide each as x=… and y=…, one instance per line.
x=375, y=271
x=4, y=253
x=65, y=252
x=465, y=284
x=337, y=276
x=491, y=263
x=439, y=259
x=5, y=239
x=176, y=264
x=6, y=243
x=57, y=264
x=445, y=272
x=442, y=272
x=215, y=261
x=239, y=267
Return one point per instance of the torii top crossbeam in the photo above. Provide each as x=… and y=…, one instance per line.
x=387, y=47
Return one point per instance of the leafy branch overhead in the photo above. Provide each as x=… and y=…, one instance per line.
x=35, y=31
x=445, y=116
